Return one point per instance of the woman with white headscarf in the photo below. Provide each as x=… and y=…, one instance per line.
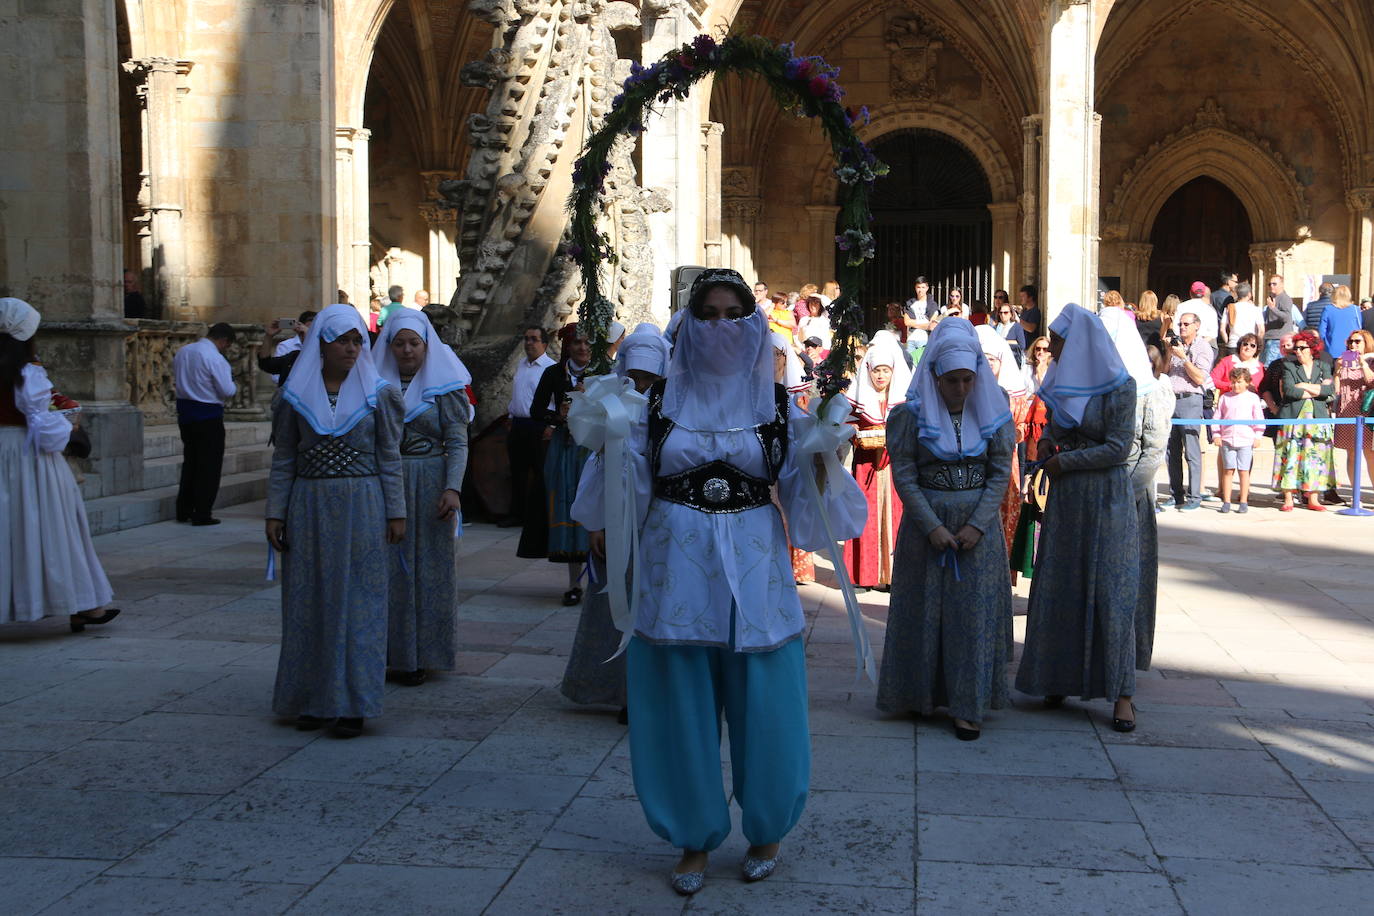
x=789, y=373
x=717, y=619
x=1080, y=624
x=879, y=388
x=593, y=676
x=949, y=632
x=421, y=629
x=48, y=564
x=997, y=350
x=1154, y=408
x=335, y=501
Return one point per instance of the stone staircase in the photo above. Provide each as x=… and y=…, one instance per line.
x=247, y=458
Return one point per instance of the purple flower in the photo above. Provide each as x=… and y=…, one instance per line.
x=703, y=45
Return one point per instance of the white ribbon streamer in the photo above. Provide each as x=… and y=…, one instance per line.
x=823, y=432
x=600, y=418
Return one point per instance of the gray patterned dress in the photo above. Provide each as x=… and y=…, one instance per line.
x=335, y=495
x=434, y=455
x=1080, y=623
x=949, y=633
x=1152, y=415
x=591, y=679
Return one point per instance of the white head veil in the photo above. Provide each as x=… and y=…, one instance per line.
x=304, y=388
x=1120, y=327
x=884, y=350
x=1089, y=365
x=955, y=345
x=646, y=349
x=1009, y=375
x=18, y=319
x=441, y=372
x=792, y=374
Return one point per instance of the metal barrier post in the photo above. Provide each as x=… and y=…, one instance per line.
x=1355, y=507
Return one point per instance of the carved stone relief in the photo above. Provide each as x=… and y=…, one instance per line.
x=914, y=50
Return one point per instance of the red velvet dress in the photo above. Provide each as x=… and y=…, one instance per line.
x=869, y=556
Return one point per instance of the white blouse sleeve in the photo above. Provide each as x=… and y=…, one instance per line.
x=589, y=507
x=49, y=431
x=841, y=495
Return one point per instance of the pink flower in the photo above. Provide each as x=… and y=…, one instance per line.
x=819, y=86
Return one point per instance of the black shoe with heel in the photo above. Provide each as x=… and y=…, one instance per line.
x=79, y=621
x=1124, y=725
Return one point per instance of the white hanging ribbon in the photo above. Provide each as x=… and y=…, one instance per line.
x=823, y=432
x=600, y=418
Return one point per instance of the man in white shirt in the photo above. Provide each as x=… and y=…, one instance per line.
x=524, y=436
x=204, y=382
x=1201, y=306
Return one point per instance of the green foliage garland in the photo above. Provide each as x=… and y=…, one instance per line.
x=803, y=85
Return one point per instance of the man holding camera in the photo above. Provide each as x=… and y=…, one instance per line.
x=1190, y=370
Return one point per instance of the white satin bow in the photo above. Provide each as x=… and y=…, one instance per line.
x=822, y=432
x=599, y=419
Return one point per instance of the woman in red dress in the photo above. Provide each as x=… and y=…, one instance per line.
x=881, y=385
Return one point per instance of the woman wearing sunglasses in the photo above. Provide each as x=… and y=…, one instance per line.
x=1304, y=459
x=1354, y=379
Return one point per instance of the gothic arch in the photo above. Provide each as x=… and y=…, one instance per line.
x=935, y=116
x=1212, y=146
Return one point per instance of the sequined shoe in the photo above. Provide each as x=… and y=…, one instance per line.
x=687, y=883
x=756, y=869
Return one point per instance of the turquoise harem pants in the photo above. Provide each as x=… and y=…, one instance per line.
x=676, y=697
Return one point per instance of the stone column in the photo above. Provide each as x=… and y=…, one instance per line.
x=60, y=235
x=441, y=266
x=741, y=230
x=161, y=82
x=360, y=232
x=1068, y=166
x=711, y=133
x=821, y=223
x=1135, y=270
x=1361, y=202
x=670, y=152
x=1030, y=202
x=1004, y=215
x=344, y=214
x=1267, y=259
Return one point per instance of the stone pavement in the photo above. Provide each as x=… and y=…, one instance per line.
x=143, y=773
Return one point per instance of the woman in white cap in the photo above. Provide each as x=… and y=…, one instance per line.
x=717, y=626
x=432, y=380
x=48, y=564
x=1080, y=623
x=949, y=633
x=593, y=677
x=1010, y=378
x=335, y=502
x=879, y=387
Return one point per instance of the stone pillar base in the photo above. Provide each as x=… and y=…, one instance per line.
x=116, y=462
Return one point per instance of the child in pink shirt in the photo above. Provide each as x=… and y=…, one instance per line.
x=1238, y=440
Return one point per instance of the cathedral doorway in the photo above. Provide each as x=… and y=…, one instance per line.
x=1202, y=229
x=930, y=218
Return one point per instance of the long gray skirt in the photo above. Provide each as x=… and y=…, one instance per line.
x=1148, y=539
x=1080, y=622
x=949, y=637
x=590, y=679
x=333, y=600
x=422, y=627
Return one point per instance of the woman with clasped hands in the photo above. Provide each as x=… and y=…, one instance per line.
x=949, y=630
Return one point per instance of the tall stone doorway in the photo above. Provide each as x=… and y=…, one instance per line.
x=931, y=219
x=1200, y=230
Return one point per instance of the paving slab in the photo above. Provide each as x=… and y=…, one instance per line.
x=401, y=890
x=955, y=889
x=29, y=885
x=1212, y=888
x=452, y=837
x=1031, y=841
x=174, y=897
x=87, y=824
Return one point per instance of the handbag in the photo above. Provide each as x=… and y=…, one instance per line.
x=1367, y=403
x=79, y=445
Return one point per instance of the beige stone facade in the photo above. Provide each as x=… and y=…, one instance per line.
x=246, y=159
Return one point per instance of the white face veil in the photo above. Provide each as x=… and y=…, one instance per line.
x=955, y=345
x=1089, y=365
x=720, y=376
x=1120, y=327
x=884, y=350
x=304, y=388
x=441, y=372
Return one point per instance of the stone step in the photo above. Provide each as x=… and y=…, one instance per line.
x=166, y=472
x=144, y=507
x=165, y=441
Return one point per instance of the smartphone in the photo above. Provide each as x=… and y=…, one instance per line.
x=286, y=324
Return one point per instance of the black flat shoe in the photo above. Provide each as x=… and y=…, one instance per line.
x=966, y=734
x=345, y=727
x=412, y=678
x=1054, y=701
x=79, y=623
x=202, y=522
x=572, y=596
x=882, y=588
x=623, y=717
x=1124, y=725
x=311, y=723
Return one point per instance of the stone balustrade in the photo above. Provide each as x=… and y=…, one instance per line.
x=149, y=350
